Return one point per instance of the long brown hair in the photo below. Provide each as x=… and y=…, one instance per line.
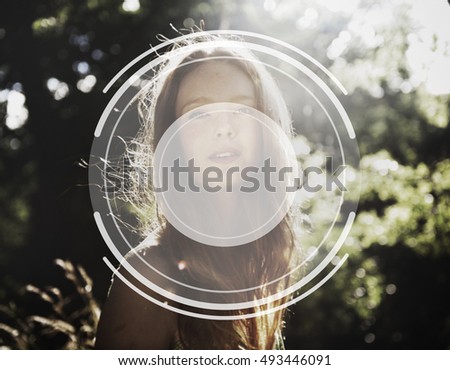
x=266, y=259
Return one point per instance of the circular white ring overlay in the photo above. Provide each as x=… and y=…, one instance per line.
x=204, y=214
x=224, y=174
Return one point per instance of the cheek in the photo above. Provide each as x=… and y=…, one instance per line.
x=192, y=141
x=250, y=134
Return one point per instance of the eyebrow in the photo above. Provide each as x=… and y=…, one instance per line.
x=202, y=100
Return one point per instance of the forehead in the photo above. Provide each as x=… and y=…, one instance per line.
x=212, y=82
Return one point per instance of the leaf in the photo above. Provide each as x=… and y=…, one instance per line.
x=58, y=325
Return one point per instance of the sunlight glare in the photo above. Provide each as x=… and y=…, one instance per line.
x=131, y=5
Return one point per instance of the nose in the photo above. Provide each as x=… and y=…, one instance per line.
x=224, y=128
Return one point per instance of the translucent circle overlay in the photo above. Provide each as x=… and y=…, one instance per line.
x=197, y=175
x=225, y=174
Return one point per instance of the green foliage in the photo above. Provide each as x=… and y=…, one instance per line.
x=412, y=205
x=392, y=291
x=70, y=320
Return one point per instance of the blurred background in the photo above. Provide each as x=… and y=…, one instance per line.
x=393, y=57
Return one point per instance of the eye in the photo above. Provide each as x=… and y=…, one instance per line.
x=243, y=110
x=198, y=114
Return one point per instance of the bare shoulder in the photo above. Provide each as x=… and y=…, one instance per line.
x=129, y=319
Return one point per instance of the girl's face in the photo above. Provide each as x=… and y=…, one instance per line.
x=224, y=139
x=223, y=135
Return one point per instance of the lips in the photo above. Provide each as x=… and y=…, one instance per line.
x=225, y=156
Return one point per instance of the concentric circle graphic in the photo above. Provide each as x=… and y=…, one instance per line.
x=224, y=175
x=204, y=175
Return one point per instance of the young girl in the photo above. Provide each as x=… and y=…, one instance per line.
x=192, y=88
